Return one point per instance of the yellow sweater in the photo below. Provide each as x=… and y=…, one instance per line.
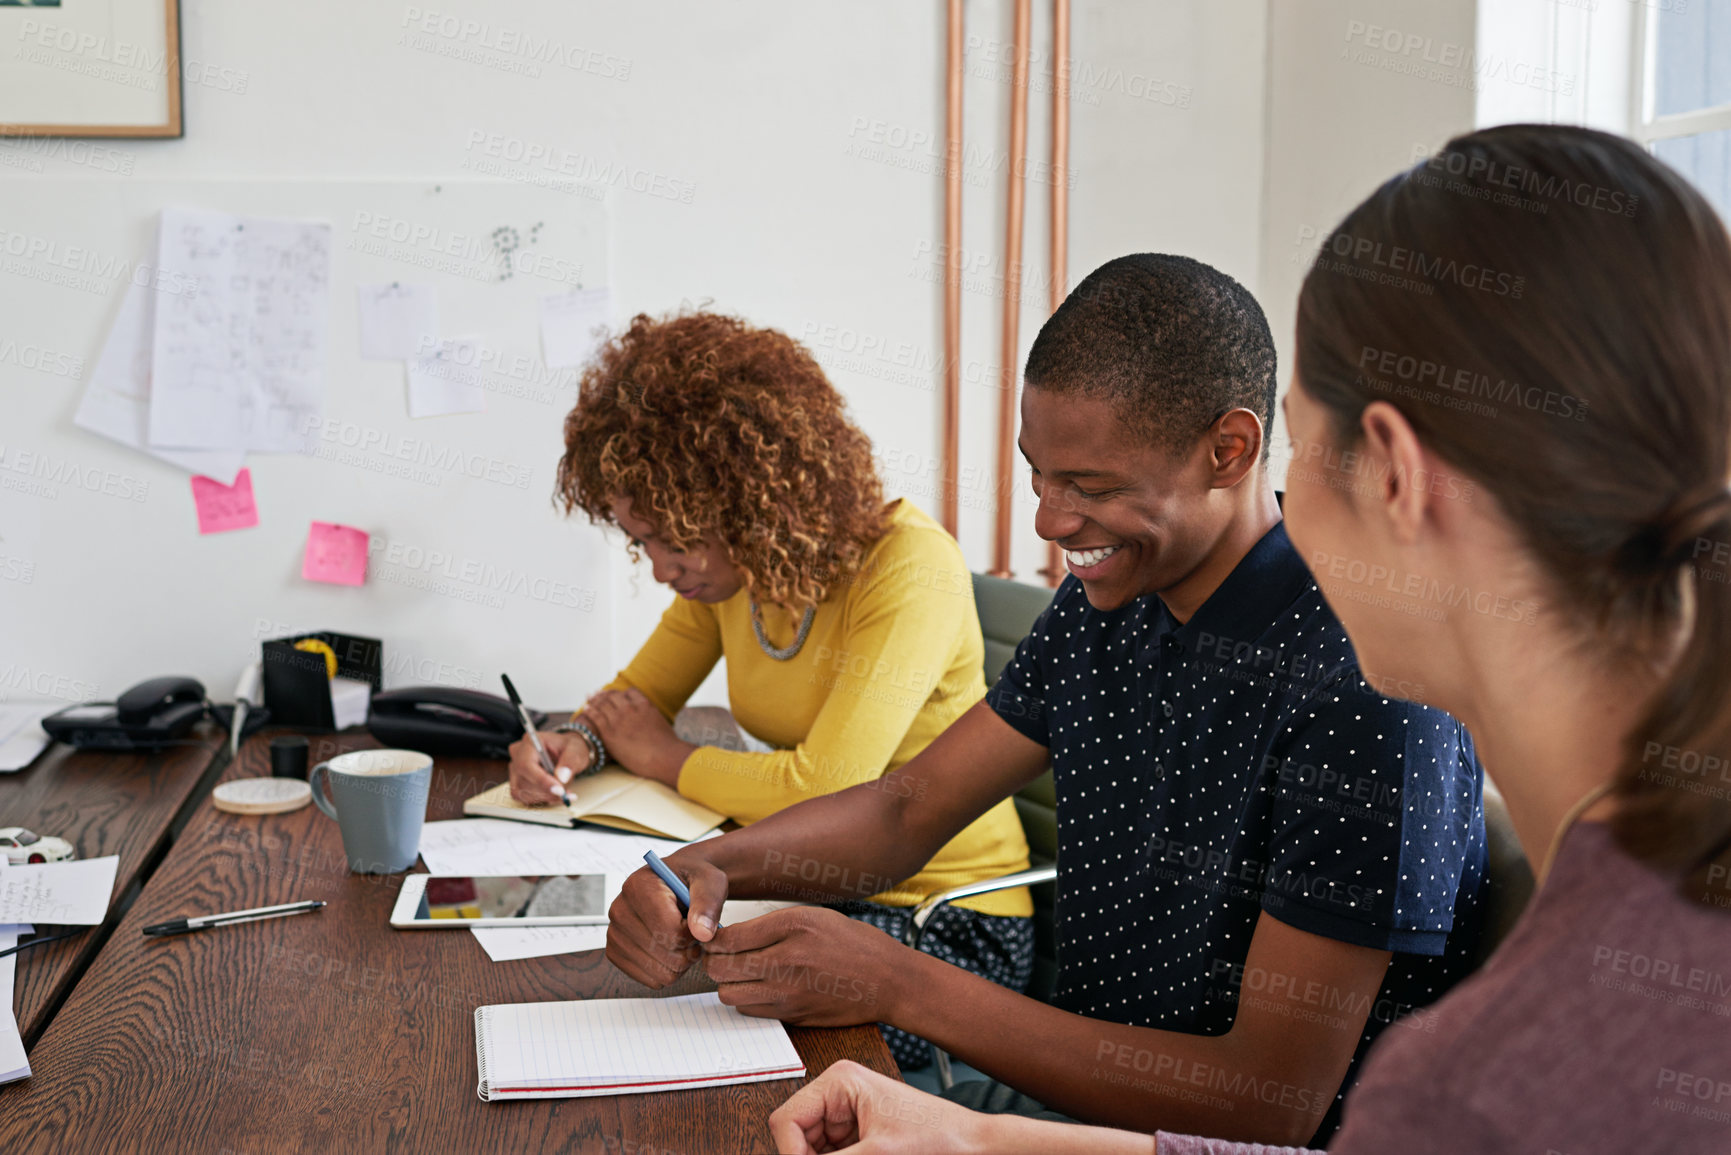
x=892, y=659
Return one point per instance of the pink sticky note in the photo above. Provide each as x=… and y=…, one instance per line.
x=224, y=507
x=337, y=554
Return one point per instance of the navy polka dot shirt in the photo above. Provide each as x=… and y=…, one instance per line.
x=1236, y=764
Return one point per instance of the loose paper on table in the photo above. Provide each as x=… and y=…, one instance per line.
x=239, y=364
x=22, y=737
x=510, y=943
x=74, y=893
x=482, y=846
x=116, y=401
x=14, y=1063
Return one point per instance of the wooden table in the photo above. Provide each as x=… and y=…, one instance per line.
x=331, y=1031
x=103, y=802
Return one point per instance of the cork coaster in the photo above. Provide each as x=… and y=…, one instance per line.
x=261, y=795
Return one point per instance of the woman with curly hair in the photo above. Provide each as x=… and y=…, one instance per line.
x=848, y=623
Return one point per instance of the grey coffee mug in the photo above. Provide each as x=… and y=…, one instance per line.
x=379, y=799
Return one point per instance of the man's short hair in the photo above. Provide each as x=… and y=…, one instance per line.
x=1171, y=342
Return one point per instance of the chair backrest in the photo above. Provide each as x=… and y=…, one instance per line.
x=1007, y=612
x=1508, y=878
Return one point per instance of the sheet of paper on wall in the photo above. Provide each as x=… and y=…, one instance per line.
x=573, y=326
x=75, y=893
x=397, y=322
x=447, y=379
x=22, y=737
x=116, y=401
x=240, y=363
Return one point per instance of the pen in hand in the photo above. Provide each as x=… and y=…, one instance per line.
x=535, y=741
x=681, y=892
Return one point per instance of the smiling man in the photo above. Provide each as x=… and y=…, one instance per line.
x=1262, y=862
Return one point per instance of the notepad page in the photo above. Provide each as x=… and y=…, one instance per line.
x=627, y=1046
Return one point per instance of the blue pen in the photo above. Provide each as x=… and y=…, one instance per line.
x=679, y=889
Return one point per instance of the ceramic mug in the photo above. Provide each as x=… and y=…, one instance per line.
x=379, y=799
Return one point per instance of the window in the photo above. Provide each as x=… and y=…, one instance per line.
x=1682, y=95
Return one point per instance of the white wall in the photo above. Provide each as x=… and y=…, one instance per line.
x=765, y=113
x=1357, y=91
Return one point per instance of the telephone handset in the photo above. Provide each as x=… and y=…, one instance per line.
x=446, y=720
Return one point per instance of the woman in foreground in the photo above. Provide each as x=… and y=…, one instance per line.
x=1493, y=404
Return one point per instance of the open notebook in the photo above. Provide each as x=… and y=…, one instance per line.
x=625, y=1047
x=615, y=798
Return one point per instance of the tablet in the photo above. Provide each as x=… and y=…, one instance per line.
x=443, y=901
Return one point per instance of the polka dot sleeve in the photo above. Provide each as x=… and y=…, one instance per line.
x=1371, y=803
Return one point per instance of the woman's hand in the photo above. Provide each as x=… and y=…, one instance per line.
x=850, y=1105
x=533, y=786
x=636, y=735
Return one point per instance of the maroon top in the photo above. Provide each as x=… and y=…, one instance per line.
x=1602, y=1024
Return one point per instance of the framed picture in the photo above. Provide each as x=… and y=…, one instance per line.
x=90, y=68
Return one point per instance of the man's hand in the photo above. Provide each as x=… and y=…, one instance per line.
x=804, y=965
x=533, y=786
x=636, y=735
x=646, y=936
x=850, y=1104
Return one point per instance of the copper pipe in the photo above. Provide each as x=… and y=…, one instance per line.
x=1012, y=292
x=953, y=274
x=1060, y=260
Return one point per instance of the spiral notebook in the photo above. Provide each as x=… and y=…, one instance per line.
x=625, y=1047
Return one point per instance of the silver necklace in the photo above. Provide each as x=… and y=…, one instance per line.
x=798, y=639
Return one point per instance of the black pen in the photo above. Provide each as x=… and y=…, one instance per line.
x=535, y=739
x=206, y=921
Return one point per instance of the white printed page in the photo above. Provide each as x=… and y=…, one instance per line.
x=239, y=364
x=75, y=893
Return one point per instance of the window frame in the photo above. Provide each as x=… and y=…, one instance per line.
x=1644, y=126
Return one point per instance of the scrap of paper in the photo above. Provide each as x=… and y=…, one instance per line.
x=447, y=379
x=570, y=324
x=397, y=322
x=14, y=1063
x=75, y=893
x=335, y=554
x=511, y=943
x=224, y=507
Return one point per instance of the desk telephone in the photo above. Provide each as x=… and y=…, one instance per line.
x=153, y=714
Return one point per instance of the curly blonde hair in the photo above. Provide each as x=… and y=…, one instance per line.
x=713, y=428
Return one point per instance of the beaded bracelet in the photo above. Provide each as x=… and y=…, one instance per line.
x=597, y=748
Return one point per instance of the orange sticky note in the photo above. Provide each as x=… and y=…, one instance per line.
x=336, y=554
x=224, y=507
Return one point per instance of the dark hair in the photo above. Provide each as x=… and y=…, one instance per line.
x=1171, y=342
x=712, y=427
x=1585, y=288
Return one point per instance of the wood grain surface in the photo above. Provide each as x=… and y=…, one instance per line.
x=103, y=802
x=331, y=1031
